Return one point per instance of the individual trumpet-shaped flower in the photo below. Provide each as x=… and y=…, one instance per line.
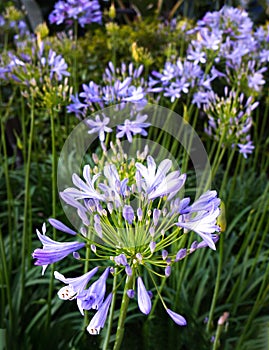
x=93, y=297
x=86, y=189
x=133, y=127
x=99, y=319
x=75, y=285
x=206, y=201
x=61, y=227
x=53, y=251
x=143, y=298
x=204, y=224
x=99, y=126
x=156, y=183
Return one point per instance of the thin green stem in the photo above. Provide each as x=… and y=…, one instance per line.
x=24, y=248
x=54, y=193
x=217, y=284
x=5, y=278
x=111, y=312
x=123, y=313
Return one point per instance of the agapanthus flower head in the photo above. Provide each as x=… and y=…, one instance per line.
x=132, y=214
x=82, y=11
x=121, y=86
x=230, y=118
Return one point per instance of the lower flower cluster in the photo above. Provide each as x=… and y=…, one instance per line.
x=133, y=221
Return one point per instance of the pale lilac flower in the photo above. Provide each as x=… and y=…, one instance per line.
x=256, y=80
x=144, y=302
x=99, y=126
x=133, y=127
x=156, y=183
x=86, y=189
x=58, y=66
x=204, y=224
x=99, y=319
x=92, y=298
x=77, y=107
x=246, y=148
x=61, y=227
x=178, y=319
x=53, y=251
x=75, y=285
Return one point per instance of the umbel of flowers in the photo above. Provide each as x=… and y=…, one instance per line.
x=132, y=215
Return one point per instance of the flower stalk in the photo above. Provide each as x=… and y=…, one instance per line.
x=123, y=313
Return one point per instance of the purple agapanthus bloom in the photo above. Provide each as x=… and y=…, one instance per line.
x=156, y=183
x=92, y=298
x=130, y=241
x=204, y=224
x=99, y=126
x=75, y=285
x=53, y=251
x=99, y=319
x=57, y=65
x=83, y=11
x=133, y=127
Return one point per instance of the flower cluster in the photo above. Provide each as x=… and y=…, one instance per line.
x=82, y=11
x=12, y=21
x=123, y=86
x=219, y=55
x=39, y=72
x=179, y=79
x=119, y=87
x=230, y=120
x=133, y=219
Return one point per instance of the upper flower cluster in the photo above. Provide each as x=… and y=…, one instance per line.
x=82, y=11
x=132, y=218
x=119, y=87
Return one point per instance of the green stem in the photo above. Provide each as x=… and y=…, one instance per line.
x=24, y=248
x=5, y=277
x=217, y=284
x=111, y=312
x=54, y=192
x=123, y=313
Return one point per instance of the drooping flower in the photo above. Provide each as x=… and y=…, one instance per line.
x=99, y=319
x=93, y=297
x=83, y=11
x=178, y=319
x=75, y=285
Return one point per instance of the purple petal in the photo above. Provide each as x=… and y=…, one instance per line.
x=178, y=319
x=144, y=302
